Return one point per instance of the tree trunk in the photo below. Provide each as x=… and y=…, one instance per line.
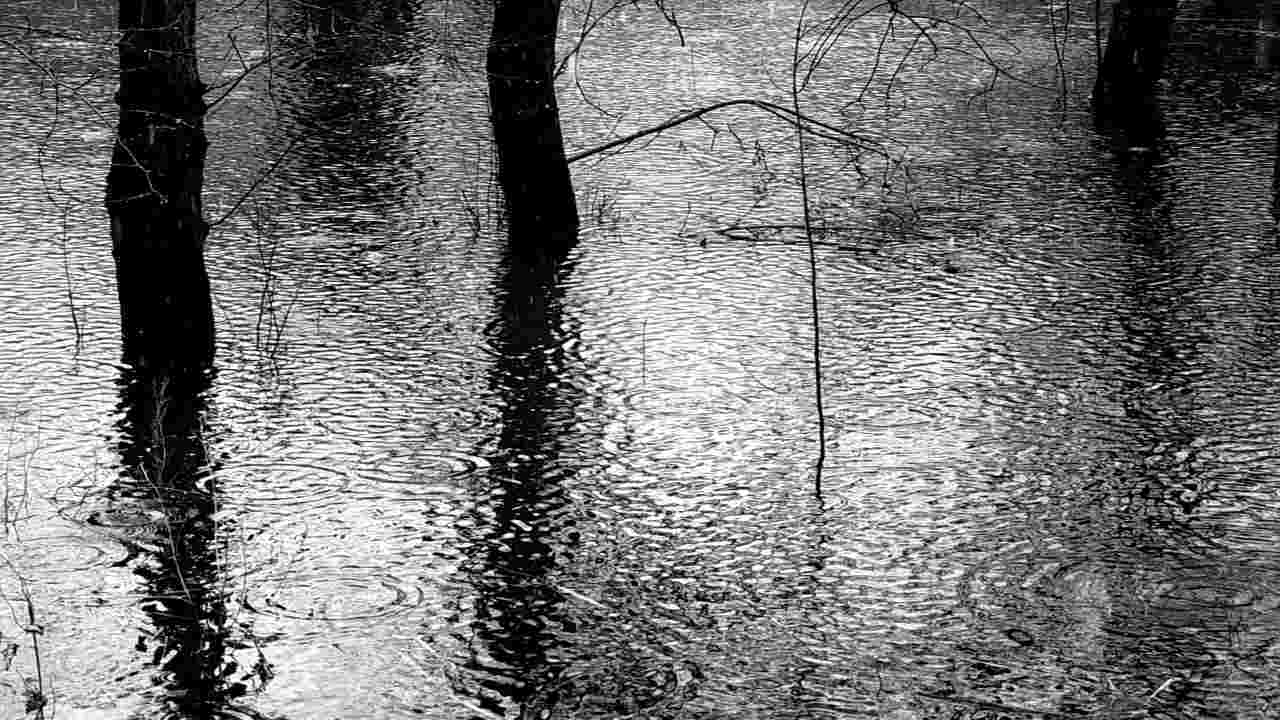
x=153, y=189
x=1137, y=45
x=532, y=169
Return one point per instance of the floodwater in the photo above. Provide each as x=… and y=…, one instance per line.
x=430, y=483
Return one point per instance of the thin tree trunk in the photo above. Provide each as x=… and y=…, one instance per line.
x=154, y=186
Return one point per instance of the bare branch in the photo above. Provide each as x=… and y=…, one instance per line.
x=260, y=179
x=801, y=121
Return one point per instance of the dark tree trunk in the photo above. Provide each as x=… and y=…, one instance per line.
x=532, y=169
x=153, y=189
x=1137, y=45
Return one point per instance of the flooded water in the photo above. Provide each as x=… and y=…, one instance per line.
x=425, y=481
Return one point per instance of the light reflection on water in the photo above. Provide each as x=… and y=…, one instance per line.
x=1050, y=375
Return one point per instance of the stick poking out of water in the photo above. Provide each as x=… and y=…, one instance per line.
x=813, y=260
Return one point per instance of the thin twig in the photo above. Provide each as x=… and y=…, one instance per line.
x=235, y=83
x=71, y=296
x=30, y=29
x=261, y=178
x=813, y=259
x=670, y=16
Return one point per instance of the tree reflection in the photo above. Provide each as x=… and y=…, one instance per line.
x=1163, y=332
x=517, y=604
x=166, y=501
x=1166, y=481
x=350, y=114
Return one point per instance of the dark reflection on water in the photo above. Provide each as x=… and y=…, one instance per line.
x=522, y=514
x=517, y=602
x=162, y=506
x=163, y=509
x=341, y=100
x=1169, y=345
x=1162, y=332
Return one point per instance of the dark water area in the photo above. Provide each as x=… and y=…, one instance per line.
x=429, y=476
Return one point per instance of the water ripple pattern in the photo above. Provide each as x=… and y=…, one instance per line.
x=1049, y=370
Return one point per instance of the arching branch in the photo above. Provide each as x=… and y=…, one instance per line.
x=799, y=120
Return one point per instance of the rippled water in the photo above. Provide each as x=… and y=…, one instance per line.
x=1050, y=377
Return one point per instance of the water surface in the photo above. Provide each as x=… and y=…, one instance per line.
x=426, y=481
